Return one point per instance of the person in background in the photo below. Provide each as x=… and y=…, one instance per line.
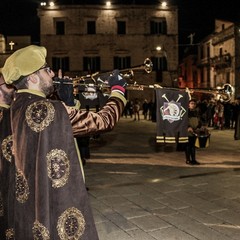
x=202, y=107
x=210, y=113
x=150, y=109
x=219, y=115
x=136, y=110
x=7, y=172
x=51, y=200
x=227, y=114
x=130, y=108
x=145, y=109
x=193, y=124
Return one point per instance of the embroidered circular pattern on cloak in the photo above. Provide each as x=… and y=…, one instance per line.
x=71, y=224
x=10, y=234
x=39, y=115
x=58, y=167
x=40, y=232
x=7, y=148
x=22, y=188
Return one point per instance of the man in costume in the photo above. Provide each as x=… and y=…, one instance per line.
x=51, y=200
x=193, y=124
x=6, y=162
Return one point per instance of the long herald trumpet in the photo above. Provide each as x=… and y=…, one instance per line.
x=224, y=93
x=125, y=73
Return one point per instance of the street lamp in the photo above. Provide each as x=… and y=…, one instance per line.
x=108, y=3
x=43, y=4
x=164, y=4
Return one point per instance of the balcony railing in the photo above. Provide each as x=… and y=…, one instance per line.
x=221, y=61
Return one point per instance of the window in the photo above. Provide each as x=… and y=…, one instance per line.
x=91, y=64
x=60, y=63
x=121, y=27
x=159, y=63
x=220, y=51
x=158, y=27
x=60, y=27
x=208, y=77
x=91, y=27
x=208, y=51
x=122, y=62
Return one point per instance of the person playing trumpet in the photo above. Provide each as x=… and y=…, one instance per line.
x=51, y=200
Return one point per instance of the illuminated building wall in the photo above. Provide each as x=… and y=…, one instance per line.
x=90, y=38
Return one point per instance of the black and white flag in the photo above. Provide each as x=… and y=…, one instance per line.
x=172, y=116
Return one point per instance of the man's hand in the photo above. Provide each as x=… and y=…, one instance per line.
x=65, y=91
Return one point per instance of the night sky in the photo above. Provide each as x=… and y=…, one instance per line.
x=19, y=17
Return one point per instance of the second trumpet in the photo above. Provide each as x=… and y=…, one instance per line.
x=100, y=79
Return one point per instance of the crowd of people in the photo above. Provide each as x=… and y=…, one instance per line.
x=213, y=113
x=134, y=108
x=219, y=115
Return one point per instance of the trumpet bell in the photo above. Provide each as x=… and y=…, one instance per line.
x=148, y=65
x=225, y=93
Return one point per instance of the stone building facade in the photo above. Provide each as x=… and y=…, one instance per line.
x=99, y=38
x=218, y=57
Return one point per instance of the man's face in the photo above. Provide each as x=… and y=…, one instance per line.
x=46, y=82
x=192, y=105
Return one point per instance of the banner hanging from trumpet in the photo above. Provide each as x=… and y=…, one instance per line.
x=172, y=116
x=91, y=98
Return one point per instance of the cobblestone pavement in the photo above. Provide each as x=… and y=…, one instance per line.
x=142, y=191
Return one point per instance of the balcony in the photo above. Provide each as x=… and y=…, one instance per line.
x=221, y=61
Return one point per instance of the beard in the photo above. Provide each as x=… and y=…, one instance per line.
x=46, y=87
